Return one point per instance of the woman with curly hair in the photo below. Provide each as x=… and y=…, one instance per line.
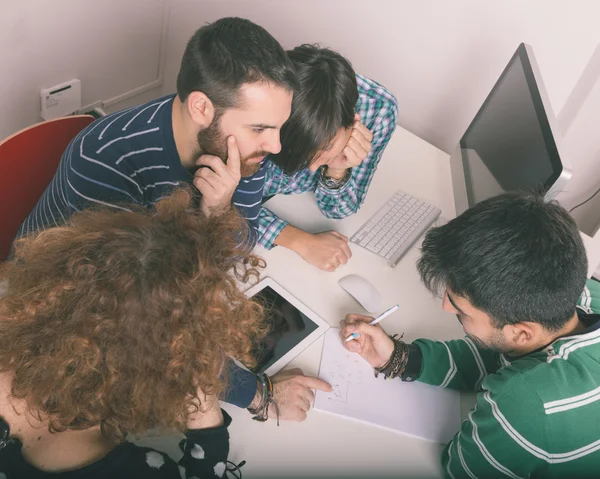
x=117, y=324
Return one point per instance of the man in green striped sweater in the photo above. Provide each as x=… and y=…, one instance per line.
x=511, y=269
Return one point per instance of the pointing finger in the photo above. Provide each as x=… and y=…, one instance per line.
x=315, y=383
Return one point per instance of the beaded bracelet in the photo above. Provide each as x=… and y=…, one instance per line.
x=398, y=360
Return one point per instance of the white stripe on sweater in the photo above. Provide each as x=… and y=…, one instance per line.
x=462, y=460
x=126, y=137
x=486, y=454
x=452, y=371
x=149, y=168
x=448, y=468
x=142, y=111
x=95, y=200
x=101, y=136
x=478, y=360
x=137, y=152
x=551, y=458
x=574, y=346
x=572, y=402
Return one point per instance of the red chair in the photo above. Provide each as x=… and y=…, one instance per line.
x=28, y=161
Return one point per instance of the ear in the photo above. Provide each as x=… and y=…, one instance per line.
x=200, y=108
x=525, y=334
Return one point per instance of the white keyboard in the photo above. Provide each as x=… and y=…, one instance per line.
x=396, y=226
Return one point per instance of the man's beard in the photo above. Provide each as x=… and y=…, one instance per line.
x=212, y=141
x=494, y=343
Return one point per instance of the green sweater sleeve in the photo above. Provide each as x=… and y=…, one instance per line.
x=502, y=435
x=456, y=364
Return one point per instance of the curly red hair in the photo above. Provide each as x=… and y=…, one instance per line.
x=118, y=318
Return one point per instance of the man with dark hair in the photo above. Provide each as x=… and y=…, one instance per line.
x=511, y=269
x=340, y=125
x=234, y=92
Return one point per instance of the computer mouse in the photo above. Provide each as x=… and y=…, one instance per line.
x=363, y=291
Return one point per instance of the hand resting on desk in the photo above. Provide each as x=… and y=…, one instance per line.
x=327, y=251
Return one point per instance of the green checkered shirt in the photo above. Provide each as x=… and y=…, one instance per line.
x=378, y=111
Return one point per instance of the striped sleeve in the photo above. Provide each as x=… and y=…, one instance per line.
x=504, y=435
x=277, y=182
x=93, y=170
x=456, y=364
x=84, y=178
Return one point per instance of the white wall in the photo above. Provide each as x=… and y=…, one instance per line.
x=580, y=119
x=112, y=46
x=439, y=57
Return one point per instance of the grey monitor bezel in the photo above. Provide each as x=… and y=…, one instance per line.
x=561, y=166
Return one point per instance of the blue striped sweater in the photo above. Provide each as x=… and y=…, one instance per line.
x=126, y=157
x=130, y=157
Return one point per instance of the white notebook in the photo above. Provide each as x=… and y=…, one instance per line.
x=417, y=409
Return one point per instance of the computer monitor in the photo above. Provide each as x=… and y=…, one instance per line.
x=513, y=143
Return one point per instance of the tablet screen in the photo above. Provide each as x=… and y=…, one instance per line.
x=288, y=327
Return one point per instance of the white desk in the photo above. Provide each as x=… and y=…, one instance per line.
x=326, y=445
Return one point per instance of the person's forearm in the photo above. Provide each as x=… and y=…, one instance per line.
x=291, y=237
x=336, y=174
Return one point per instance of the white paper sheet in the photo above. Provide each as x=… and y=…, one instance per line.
x=416, y=409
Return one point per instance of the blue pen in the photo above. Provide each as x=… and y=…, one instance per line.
x=382, y=316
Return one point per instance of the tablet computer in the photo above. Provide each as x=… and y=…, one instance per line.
x=292, y=327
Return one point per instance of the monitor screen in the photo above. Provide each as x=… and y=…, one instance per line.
x=287, y=328
x=509, y=145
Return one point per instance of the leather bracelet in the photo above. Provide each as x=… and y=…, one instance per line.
x=396, y=365
x=261, y=413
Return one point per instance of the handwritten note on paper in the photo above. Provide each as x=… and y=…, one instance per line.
x=417, y=409
x=341, y=377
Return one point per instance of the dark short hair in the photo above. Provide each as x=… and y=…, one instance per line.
x=224, y=55
x=325, y=102
x=515, y=256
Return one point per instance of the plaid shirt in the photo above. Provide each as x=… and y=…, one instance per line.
x=378, y=111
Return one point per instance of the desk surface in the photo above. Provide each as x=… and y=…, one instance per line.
x=327, y=445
